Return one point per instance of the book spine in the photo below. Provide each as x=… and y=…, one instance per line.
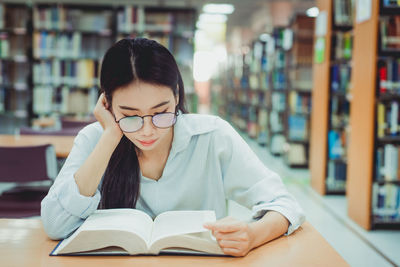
x=394, y=118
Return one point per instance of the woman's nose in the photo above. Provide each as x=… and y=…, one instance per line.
x=148, y=126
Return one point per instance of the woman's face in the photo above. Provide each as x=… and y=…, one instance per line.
x=140, y=99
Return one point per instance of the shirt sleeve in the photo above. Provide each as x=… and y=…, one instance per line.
x=250, y=183
x=64, y=209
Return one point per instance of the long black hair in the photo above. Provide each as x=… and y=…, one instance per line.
x=130, y=60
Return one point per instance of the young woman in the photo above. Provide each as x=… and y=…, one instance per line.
x=146, y=152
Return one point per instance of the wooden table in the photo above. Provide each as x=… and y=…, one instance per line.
x=23, y=242
x=62, y=144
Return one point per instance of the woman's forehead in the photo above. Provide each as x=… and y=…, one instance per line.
x=142, y=96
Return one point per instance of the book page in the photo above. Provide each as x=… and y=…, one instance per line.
x=130, y=220
x=113, y=227
x=172, y=223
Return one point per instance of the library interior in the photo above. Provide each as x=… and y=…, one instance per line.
x=312, y=86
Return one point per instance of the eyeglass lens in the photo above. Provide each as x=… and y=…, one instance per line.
x=135, y=123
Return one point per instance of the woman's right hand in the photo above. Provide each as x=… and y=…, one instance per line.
x=105, y=117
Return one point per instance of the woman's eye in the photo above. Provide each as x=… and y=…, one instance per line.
x=160, y=112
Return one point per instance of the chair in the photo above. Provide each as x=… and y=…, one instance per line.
x=62, y=132
x=71, y=123
x=30, y=170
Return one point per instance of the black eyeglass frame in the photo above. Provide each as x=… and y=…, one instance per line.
x=176, y=113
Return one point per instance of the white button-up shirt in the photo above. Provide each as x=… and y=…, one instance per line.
x=208, y=163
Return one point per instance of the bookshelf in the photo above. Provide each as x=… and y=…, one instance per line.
x=299, y=91
x=68, y=44
x=331, y=99
x=15, y=53
x=373, y=187
x=278, y=92
x=339, y=95
x=243, y=88
x=172, y=27
x=50, y=52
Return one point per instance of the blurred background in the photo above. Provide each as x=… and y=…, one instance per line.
x=313, y=86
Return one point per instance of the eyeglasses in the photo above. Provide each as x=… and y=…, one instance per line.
x=135, y=123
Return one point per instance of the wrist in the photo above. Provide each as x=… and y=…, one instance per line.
x=254, y=234
x=112, y=136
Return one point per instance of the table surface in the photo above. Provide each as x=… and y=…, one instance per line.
x=23, y=242
x=62, y=144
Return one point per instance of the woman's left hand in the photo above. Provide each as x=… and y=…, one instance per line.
x=234, y=237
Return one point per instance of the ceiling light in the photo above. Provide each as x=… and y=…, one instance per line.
x=219, y=8
x=212, y=18
x=312, y=12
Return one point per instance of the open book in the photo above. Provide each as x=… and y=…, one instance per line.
x=131, y=232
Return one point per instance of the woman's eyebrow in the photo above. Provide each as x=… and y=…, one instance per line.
x=156, y=106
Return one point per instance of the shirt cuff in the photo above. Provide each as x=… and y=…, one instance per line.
x=75, y=203
x=295, y=220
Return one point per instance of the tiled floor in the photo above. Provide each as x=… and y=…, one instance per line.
x=328, y=215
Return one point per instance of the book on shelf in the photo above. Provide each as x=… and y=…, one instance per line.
x=277, y=144
x=127, y=19
x=276, y=122
x=159, y=21
x=4, y=46
x=336, y=176
x=80, y=73
x=90, y=21
x=298, y=128
x=336, y=146
x=385, y=202
x=49, y=17
x=133, y=232
x=42, y=99
x=388, y=119
x=278, y=101
x=343, y=45
x=301, y=78
x=2, y=99
x=340, y=78
x=49, y=44
x=391, y=3
x=72, y=19
x=299, y=103
x=254, y=81
x=1, y=15
x=387, y=163
x=262, y=121
x=343, y=12
x=183, y=23
x=390, y=32
x=389, y=75
x=296, y=154
x=16, y=17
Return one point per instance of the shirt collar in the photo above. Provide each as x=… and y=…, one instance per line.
x=188, y=125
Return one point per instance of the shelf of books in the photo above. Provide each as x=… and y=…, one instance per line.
x=278, y=91
x=332, y=96
x=299, y=90
x=172, y=27
x=242, y=97
x=340, y=95
x=373, y=176
x=255, y=79
x=15, y=50
x=50, y=53
x=68, y=44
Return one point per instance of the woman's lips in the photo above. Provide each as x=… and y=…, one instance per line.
x=147, y=143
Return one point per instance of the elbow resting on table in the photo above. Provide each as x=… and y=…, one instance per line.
x=56, y=223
